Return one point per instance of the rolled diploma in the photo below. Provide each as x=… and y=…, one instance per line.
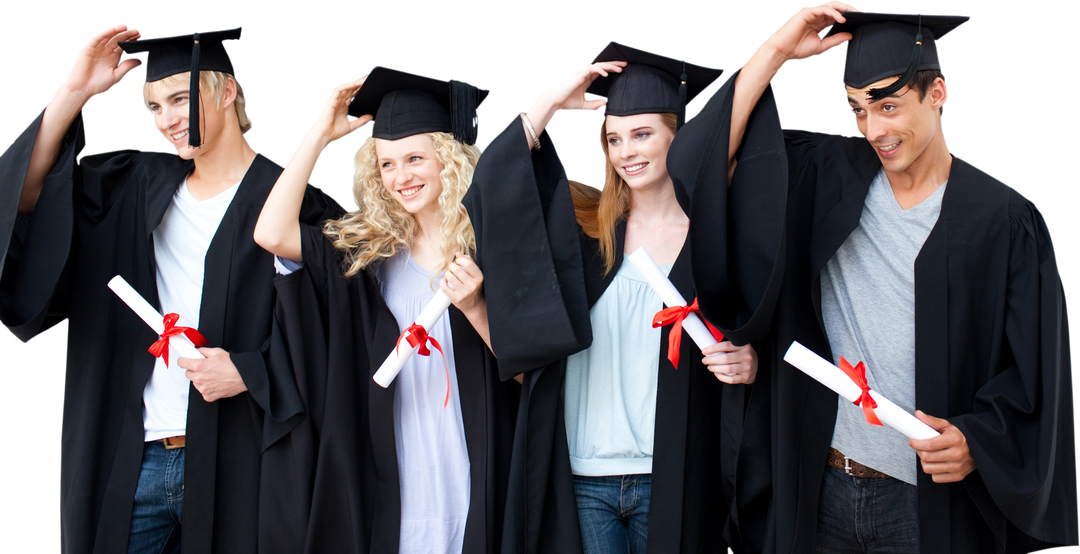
x=402, y=352
x=146, y=312
x=833, y=377
x=671, y=297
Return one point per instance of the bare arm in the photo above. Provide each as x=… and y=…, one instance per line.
x=797, y=39
x=96, y=70
x=463, y=283
x=278, y=228
x=568, y=95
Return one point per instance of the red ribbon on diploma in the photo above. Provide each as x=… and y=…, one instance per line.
x=674, y=316
x=858, y=374
x=160, y=348
x=417, y=335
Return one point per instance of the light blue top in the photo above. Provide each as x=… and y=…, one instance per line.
x=433, y=459
x=610, y=388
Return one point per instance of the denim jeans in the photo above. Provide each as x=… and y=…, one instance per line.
x=614, y=513
x=159, y=501
x=867, y=514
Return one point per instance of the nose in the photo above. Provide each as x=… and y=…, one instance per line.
x=876, y=127
x=170, y=116
x=627, y=151
x=402, y=176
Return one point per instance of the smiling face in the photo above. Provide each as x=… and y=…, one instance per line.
x=637, y=147
x=904, y=128
x=410, y=172
x=169, y=101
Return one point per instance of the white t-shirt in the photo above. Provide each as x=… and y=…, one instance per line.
x=180, y=245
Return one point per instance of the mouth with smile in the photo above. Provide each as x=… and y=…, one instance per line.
x=636, y=169
x=888, y=150
x=178, y=137
x=410, y=192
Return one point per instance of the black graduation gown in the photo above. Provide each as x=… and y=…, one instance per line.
x=991, y=347
x=331, y=484
x=94, y=220
x=542, y=276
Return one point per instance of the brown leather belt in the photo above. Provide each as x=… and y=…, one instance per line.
x=174, y=442
x=853, y=468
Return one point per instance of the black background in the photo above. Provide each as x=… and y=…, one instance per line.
x=1009, y=112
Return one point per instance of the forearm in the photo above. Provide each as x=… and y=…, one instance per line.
x=750, y=84
x=478, y=319
x=57, y=119
x=278, y=228
x=539, y=115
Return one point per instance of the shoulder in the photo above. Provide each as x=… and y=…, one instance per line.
x=148, y=162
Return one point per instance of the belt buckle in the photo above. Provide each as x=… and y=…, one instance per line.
x=847, y=466
x=169, y=445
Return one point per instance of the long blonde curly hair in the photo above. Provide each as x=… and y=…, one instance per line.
x=381, y=225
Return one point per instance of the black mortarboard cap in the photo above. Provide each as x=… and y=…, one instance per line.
x=884, y=45
x=194, y=53
x=405, y=104
x=649, y=83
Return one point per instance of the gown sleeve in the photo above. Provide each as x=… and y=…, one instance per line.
x=36, y=247
x=529, y=248
x=1020, y=431
x=735, y=231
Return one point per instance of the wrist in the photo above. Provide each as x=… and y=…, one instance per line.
x=72, y=96
x=316, y=138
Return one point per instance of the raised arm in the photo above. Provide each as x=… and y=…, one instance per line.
x=797, y=39
x=278, y=228
x=96, y=70
x=568, y=95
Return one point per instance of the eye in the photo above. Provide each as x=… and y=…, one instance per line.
x=643, y=135
x=888, y=108
x=857, y=110
x=414, y=159
x=612, y=141
x=154, y=108
x=180, y=100
x=386, y=165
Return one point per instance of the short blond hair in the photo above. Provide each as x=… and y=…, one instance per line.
x=212, y=85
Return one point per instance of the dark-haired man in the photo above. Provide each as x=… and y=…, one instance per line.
x=157, y=452
x=887, y=250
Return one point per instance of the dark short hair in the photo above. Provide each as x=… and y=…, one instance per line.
x=923, y=80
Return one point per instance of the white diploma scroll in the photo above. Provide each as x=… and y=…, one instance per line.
x=693, y=325
x=402, y=352
x=182, y=345
x=833, y=377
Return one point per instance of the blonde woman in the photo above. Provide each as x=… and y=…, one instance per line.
x=621, y=441
x=419, y=466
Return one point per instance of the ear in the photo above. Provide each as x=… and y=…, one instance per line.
x=938, y=93
x=230, y=93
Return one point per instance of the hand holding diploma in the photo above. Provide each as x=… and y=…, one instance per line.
x=183, y=339
x=682, y=316
x=841, y=383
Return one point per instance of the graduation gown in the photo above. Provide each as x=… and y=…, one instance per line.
x=542, y=276
x=94, y=220
x=991, y=346
x=331, y=484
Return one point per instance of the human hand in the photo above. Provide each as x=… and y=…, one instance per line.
x=215, y=377
x=945, y=457
x=734, y=365
x=570, y=94
x=799, y=39
x=463, y=283
x=334, y=120
x=97, y=67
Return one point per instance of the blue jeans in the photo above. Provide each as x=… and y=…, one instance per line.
x=867, y=514
x=159, y=501
x=614, y=513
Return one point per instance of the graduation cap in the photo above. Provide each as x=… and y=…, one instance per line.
x=194, y=53
x=405, y=104
x=649, y=83
x=884, y=45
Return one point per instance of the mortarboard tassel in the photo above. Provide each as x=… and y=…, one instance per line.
x=682, y=99
x=876, y=94
x=194, y=140
x=464, y=111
